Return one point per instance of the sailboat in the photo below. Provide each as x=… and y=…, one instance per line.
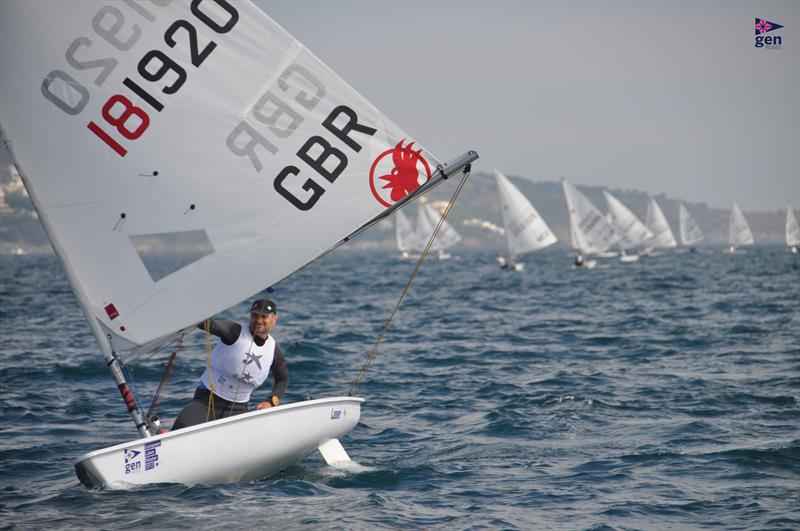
x=632, y=232
x=206, y=128
x=690, y=232
x=739, y=234
x=427, y=219
x=589, y=228
x=405, y=237
x=525, y=230
x=657, y=224
x=792, y=231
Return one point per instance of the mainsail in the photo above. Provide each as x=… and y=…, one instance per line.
x=204, y=128
x=631, y=231
x=525, y=229
x=198, y=132
x=792, y=228
x=591, y=230
x=689, y=231
x=657, y=223
x=427, y=219
x=738, y=230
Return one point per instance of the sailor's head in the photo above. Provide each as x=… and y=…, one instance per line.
x=263, y=316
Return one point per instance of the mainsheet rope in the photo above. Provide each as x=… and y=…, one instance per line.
x=374, y=351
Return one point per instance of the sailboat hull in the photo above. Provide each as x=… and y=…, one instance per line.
x=245, y=447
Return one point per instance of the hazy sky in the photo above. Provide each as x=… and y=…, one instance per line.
x=668, y=97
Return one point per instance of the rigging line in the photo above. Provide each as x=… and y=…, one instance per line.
x=210, y=406
x=374, y=351
x=162, y=386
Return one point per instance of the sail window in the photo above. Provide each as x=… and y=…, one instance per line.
x=168, y=252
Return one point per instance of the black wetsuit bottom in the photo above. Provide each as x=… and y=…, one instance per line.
x=197, y=411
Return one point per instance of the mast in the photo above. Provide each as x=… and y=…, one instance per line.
x=112, y=360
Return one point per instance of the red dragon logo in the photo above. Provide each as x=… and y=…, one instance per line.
x=403, y=176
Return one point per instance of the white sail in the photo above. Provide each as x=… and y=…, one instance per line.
x=792, y=229
x=738, y=230
x=689, y=230
x=525, y=230
x=427, y=219
x=405, y=236
x=591, y=229
x=573, y=236
x=202, y=130
x=657, y=223
x=631, y=231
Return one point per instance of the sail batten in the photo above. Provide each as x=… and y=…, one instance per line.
x=251, y=156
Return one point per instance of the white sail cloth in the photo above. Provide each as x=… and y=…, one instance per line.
x=203, y=128
x=631, y=231
x=690, y=232
x=739, y=233
x=427, y=219
x=405, y=236
x=792, y=229
x=525, y=229
x=592, y=232
x=657, y=224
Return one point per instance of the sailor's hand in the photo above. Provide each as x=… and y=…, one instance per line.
x=264, y=405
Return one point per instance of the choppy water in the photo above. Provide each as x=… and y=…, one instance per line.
x=658, y=395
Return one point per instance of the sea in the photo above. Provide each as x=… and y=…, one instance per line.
x=661, y=394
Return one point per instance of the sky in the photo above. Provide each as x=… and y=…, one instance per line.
x=664, y=97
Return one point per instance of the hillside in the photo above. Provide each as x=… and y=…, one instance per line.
x=19, y=227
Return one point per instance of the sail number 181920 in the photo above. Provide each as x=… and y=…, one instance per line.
x=122, y=120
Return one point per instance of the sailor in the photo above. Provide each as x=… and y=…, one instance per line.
x=578, y=260
x=240, y=362
x=501, y=261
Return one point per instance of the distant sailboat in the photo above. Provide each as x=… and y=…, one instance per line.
x=525, y=230
x=657, y=223
x=589, y=228
x=427, y=219
x=407, y=241
x=632, y=232
x=792, y=231
x=739, y=234
x=690, y=232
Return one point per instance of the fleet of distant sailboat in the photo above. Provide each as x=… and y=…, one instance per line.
x=619, y=233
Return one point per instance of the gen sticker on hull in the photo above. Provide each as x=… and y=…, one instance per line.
x=144, y=459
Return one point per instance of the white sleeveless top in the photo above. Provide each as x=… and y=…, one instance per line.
x=236, y=370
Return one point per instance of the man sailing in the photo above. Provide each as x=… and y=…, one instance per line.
x=241, y=362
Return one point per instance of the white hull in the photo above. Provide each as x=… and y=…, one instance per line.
x=605, y=254
x=245, y=447
x=519, y=267
x=628, y=258
x=587, y=264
